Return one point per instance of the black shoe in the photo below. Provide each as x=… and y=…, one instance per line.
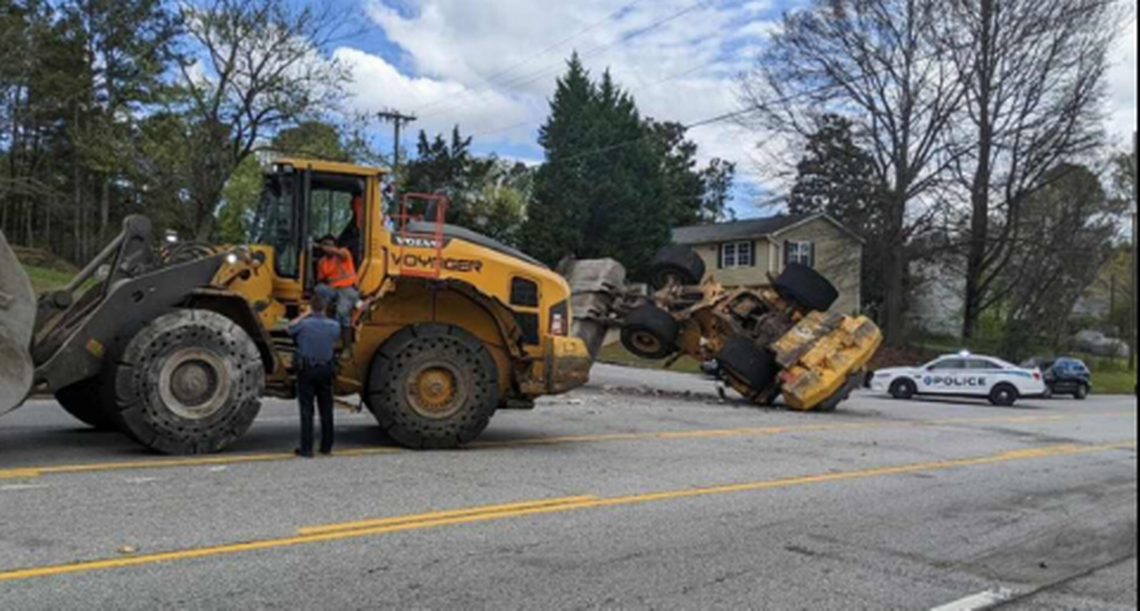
x=326, y=453
x=299, y=453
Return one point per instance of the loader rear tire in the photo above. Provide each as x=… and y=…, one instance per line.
x=433, y=387
x=677, y=263
x=806, y=288
x=749, y=364
x=84, y=401
x=189, y=383
x=650, y=333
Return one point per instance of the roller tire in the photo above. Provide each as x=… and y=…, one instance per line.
x=140, y=390
x=806, y=288
x=84, y=401
x=421, y=350
x=750, y=365
x=650, y=333
x=677, y=262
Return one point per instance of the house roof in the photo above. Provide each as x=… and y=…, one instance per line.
x=751, y=229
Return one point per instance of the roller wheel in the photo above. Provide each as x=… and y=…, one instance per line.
x=806, y=288
x=650, y=333
x=679, y=264
x=188, y=383
x=84, y=401
x=749, y=364
x=433, y=387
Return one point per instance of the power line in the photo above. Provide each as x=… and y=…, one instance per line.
x=673, y=77
x=491, y=79
x=526, y=79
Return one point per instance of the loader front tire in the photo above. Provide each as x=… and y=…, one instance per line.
x=84, y=401
x=650, y=333
x=806, y=288
x=433, y=387
x=188, y=383
x=750, y=365
x=677, y=263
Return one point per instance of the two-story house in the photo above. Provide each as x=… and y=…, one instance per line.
x=745, y=253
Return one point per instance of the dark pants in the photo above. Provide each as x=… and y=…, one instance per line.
x=315, y=385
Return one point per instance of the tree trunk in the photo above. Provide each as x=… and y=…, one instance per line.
x=104, y=209
x=976, y=268
x=894, y=274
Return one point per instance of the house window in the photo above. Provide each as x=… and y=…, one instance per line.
x=800, y=252
x=737, y=254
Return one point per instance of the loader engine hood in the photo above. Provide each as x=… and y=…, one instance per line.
x=17, y=318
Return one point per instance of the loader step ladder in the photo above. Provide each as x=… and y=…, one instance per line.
x=413, y=243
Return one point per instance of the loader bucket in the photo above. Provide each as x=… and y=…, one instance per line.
x=17, y=317
x=595, y=285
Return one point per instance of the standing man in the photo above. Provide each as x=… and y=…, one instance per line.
x=336, y=279
x=316, y=336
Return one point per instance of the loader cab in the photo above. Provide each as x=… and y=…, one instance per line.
x=304, y=201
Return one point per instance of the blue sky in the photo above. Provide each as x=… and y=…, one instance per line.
x=490, y=66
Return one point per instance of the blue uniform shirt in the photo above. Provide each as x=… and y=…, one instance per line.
x=316, y=339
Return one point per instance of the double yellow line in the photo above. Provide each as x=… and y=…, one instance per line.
x=382, y=526
x=741, y=432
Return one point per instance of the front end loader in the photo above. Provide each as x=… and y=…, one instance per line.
x=767, y=342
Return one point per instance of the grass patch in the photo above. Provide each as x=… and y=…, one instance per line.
x=45, y=280
x=616, y=354
x=1114, y=383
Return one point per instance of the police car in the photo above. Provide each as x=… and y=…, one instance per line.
x=963, y=375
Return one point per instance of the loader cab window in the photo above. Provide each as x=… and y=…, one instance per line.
x=334, y=202
x=277, y=223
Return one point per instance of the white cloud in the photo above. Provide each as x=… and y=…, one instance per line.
x=481, y=64
x=1122, y=90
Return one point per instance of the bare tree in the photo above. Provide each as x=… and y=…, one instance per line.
x=1067, y=231
x=880, y=64
x=263, y=67
x=1035, y=79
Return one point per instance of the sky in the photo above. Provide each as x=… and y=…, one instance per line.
x=490, y=67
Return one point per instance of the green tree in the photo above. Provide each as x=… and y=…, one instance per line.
x=602, y=191
x=692, y=195
x=837, y=177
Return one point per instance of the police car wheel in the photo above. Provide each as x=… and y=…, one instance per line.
x=433, y=387
x=189, y=383
x=904, y=390
x=1004, y=396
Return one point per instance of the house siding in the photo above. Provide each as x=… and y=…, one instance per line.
x=838, y=256
x=737, y=277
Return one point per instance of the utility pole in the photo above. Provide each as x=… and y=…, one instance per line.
x=398, y=120
x=1135, y=238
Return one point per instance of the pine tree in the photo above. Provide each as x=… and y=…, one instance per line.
x=560, y=209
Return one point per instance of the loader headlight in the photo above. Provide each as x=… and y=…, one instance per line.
x=560, y=320
x=232, y=259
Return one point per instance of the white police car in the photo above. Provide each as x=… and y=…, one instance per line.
x=963, y=375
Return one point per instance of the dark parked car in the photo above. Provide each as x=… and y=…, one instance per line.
x=1065, y=376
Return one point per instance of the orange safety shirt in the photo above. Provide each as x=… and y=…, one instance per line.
x=337, y=272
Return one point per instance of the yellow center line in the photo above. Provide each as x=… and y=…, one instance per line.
x=237, y=459
x=355, y=530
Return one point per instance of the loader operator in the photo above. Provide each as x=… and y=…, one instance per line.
x=351, y=238
x=316, y=336
x=336, y=279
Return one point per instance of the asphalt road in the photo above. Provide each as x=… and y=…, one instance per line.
x=631, y=494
